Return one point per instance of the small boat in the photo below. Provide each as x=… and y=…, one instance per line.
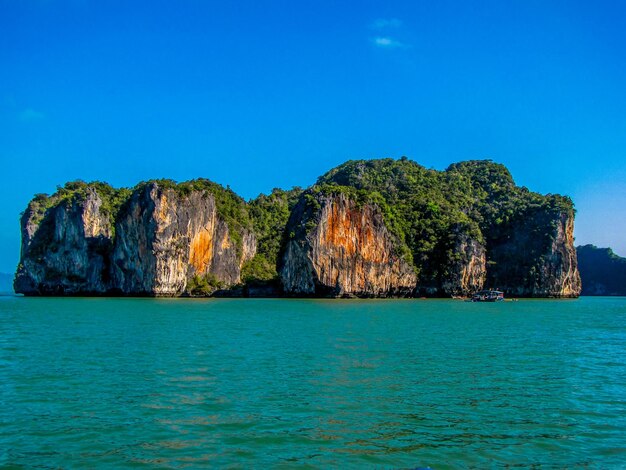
x=488, y=296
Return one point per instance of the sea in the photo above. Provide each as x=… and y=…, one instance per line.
x=286, y=383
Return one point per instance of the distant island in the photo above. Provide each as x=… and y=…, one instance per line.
x=602, y=271
x=367, y=228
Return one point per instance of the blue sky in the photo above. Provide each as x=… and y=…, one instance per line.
x=259, y=95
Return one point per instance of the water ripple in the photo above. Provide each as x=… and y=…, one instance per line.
x=314, y=384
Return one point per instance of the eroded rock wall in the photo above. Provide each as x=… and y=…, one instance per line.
x=467, y=265
x=537, y=258
x=65, y=251
x=339, y=248
x=559, y=276
x=164, y=238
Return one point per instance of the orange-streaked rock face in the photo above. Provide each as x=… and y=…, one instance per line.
x=348, y=231
x=167, y=238
x=201, y=249
x=349, y=252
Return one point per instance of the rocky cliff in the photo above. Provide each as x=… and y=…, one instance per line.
x=466, y=265
x=339, y=248
x=64, y=248
x=537, y=258
x=165, y=239
x=529, y=238
x=368, y=228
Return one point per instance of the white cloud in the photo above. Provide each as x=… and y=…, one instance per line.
x=382, y=23
x=387, y=43
x=30, y=115
x=389, y=29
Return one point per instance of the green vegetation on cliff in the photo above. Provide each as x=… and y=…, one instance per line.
x=269, y=214
x=439, y=220
x=231, y=207
x=73, y=192
x=494, y=198
x=427, y=210
x=518, y=225
x=201, y=286
x=421, y=207
x=76, y=191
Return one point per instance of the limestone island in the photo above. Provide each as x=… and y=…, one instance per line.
x=367, y=228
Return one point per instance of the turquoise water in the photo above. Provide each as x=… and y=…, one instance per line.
x=312, y=383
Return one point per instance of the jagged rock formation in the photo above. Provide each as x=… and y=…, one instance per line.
x=169, y=240
x=64, y=252
x=538, y=258
x=164, y=238
x=467, y=266
x=561, y=273
x=460, y=230
x=341, y=249
x=373, y=228
x=529, y=238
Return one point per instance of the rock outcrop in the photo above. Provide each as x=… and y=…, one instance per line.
x=368, y=228
x=65, y=248
x=165, y=242
x=164, y=239
x=467, y=265
x=339, y=248
x=559, y=274
x=538, y=257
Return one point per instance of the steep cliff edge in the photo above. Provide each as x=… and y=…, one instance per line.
x=162, y=239
x=538, y=258
x=65, y=244
x=466, y=264
x=172, y=239
x=433, y=234
x=529, y=237
x=339, y=248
